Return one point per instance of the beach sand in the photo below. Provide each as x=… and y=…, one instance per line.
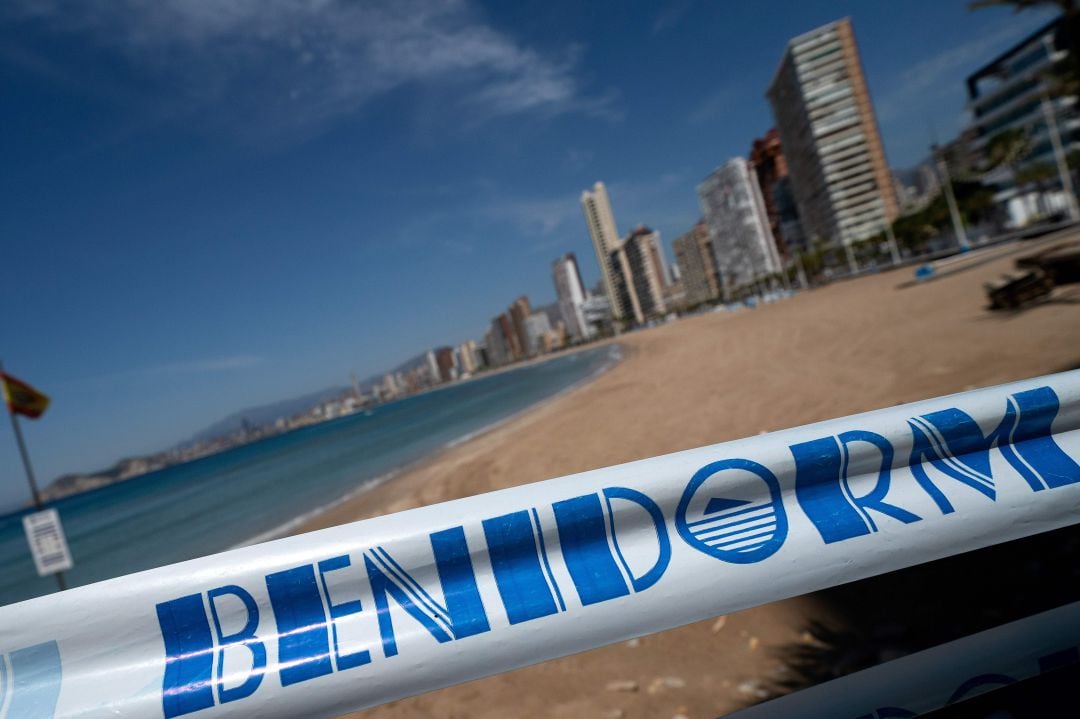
x=850, y=347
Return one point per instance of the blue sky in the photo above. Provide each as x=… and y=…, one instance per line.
x=206, y=206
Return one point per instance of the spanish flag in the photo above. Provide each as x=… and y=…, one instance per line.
x=21, y=398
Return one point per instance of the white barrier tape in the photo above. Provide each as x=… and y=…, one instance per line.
x=364, y=613
x=929, y=680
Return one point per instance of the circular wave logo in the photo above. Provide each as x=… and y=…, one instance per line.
x=732, y=510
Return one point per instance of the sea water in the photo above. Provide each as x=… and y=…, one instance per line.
x=261, y=490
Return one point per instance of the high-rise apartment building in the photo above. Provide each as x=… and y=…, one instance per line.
x=1013, y=92
x=519, y=312
x=444, y=360
x=605, y=239
x=468, y=357
x=431, y=368
x=536, y=326
x=390, y=386
x=639, y=284
x=493, y=351
x=697, y=265
x=841, y=181
x=571, y=295
x=738, y=225
x=502, y=342
x=768, y=163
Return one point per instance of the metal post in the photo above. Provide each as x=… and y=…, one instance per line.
x=38, y=504
x=893, y=249
x=954, y=211
x=1059, y=159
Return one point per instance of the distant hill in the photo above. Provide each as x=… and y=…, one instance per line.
x=261, y=416
x=265, y=414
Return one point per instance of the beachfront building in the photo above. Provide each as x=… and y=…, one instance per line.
x=791, y=229
x=571, y=294
x=431, y=367
x=1007, y=94
x=390, y=387
x=537, y=327
x=738, y=225
x=447, y=368
x=639, y=283
x=502, y=342
x=468, y=357
x=605, y=240
x=769, y=165
x=825, y=120
x=519, y=312
x=697, y=265
x=597, y=312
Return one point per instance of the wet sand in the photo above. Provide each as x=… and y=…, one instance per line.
x=849, y=347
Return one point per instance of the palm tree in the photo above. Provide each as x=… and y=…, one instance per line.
x=1008, y=148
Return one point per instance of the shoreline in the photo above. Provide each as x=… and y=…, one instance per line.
x=310, y=521
x=50, y=501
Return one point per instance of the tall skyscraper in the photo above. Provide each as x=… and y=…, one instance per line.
x=519, y=312
x=605, y=240
x=468, y=357
x=841, y=181
x=537, y=325
x=697, y=263
x=639, y=286
x=502, y=341
x=444, y=360
x=509, y=337
x=570, y=291
x=432, y=367
x=768, y=163
x=738, y=225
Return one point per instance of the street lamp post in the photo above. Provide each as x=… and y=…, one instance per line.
x=893, y=249
x=853, y=266
x=1059, y=159
x=950, y=199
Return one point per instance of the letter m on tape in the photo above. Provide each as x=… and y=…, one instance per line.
x=952, y=443
x=949, y=440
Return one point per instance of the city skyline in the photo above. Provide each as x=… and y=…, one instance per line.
x=149, y=289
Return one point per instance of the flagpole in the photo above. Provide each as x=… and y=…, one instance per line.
x=30, y=474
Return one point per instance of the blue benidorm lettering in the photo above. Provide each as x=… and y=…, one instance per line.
x=544, y=559
x=306, y=618
x=245, y=637
x=738, y=529
x=652, y=575
x=950, y=442
x=823, y=491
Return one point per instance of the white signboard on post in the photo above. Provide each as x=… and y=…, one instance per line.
x=45, y=535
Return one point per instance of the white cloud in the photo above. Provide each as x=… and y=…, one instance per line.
x=162, y=372
x=711, y=108
x=203, y=366
x=671, y=15
x=941, y=75
x=288, y=66
x=536, y=216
